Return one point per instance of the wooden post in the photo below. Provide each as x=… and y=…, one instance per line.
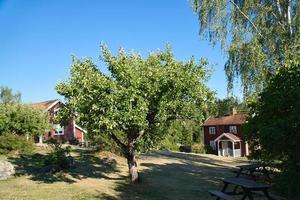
x=233, y=149
x=218, y=148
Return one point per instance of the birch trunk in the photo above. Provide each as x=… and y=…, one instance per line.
x=289, y=18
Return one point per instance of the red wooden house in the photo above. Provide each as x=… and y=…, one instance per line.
x=224, y=135
x=62, y=134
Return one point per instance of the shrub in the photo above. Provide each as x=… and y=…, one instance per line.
x=273, y=127
x=185, y=148
x=12, y=142
x=210, y=150
x=59, y=158
x=198, y=148
x=169, y=144
x=23, y=119
x=74, y=141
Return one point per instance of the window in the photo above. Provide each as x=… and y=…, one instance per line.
x=232, y=129
x=58, y=129
x=212, y=144
x=212, y=130
x=56, y=110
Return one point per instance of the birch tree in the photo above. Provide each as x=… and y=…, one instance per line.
x=258, y=36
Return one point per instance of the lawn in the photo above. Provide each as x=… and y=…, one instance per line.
x=164, y=175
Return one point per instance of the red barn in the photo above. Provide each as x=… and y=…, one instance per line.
x=62, y=134
x=224, y=135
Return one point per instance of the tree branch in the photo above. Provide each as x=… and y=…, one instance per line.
x=253, y=25
x=279, y=21
x=119, y=143
x=141, y=133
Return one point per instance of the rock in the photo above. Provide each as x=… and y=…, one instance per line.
x=6, y=169
x=185, y=148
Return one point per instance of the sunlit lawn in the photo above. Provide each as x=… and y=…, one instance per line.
x=164, y=175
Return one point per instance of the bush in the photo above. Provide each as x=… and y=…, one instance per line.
x=273, y=127
x=12, y=142
x=23, y=119
x=168, y=144
x=74, y=141
x=198, y=148
x=59, y=158
x=185, y=148
x=210, y=150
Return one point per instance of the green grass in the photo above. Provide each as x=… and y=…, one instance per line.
x=164, y=175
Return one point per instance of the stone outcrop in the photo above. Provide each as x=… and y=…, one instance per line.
x=6, y=169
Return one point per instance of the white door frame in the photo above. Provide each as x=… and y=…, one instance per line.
x=225, y=148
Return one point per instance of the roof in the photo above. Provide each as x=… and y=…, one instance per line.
x=46, y=104
x=230, y=136
x=238, y=118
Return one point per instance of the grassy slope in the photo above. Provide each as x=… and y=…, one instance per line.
x=164, y=175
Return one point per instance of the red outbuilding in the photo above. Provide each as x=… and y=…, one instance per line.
x=63, y=134
x=224, y=135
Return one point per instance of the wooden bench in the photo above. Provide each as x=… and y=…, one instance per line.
x=273, y=196
x=248, y=187
x=220, y=195
x=237, y=171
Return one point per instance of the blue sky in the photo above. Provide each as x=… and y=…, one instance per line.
x=38, y=37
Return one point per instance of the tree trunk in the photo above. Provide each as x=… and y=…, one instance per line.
x=132, y=166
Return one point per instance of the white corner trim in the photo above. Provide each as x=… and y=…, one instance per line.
x=84, y=131
x=53, y=104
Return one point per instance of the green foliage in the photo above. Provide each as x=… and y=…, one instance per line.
x=137, y=97
x=259, y=36
x=22, y=119
x=225, y=106
x=7, y=96
x=169, y=143
x=12, y=142
x=181, y=132
x=104, y=143
x=210, y=150
x=58, y=156
x=198, y=148
x=274, y=128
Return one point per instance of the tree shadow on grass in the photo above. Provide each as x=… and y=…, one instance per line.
x=172, y=181
x=199, y=158
x=87, y=166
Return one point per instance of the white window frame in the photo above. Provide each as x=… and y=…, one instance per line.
x=59, y=130
x=212, y=130
x=56, y=109
x=232, y=129
x=212, y=143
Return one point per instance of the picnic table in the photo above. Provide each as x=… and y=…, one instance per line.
x=252, y=169
x=248, y=169
x=248, y=187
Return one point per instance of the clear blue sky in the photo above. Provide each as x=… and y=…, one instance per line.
x=37, y=38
